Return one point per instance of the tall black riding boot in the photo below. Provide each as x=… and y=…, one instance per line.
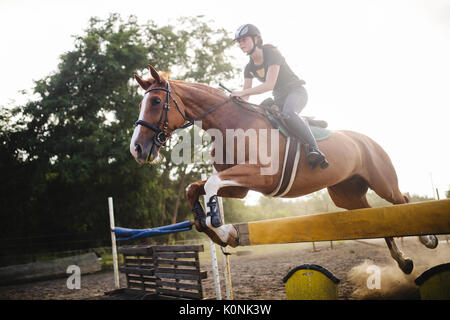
x=300, y=129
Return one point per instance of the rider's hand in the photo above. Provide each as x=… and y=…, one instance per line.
x=275, y=108
x=237, y=94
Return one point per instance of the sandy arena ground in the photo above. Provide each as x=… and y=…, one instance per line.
x=257, y=272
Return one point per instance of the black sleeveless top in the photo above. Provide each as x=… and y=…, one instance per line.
x=287, y=79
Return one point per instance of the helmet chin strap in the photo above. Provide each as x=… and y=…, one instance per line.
x=254, y=47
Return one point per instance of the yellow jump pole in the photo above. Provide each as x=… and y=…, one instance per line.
x=422, y=218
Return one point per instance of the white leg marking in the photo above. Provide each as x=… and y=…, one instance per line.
x=222, y=232
x=214, y=184
x=212, y=187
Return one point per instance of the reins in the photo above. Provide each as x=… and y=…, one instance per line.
x=247, y=105
x=161, y=136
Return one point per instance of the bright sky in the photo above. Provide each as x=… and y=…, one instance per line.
x=381, y=67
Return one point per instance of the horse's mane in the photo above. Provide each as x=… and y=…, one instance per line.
x=201, y=86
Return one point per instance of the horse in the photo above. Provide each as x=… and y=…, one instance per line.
x=356, y=162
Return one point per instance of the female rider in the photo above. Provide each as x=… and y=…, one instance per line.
x=268, y=66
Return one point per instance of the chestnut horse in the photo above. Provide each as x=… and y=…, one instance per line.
x=356, y=162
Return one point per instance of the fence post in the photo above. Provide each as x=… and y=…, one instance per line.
x=114, y=245
x=212, y=247
x=226, y=261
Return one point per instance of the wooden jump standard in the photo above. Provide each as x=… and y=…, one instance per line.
x=422, y=218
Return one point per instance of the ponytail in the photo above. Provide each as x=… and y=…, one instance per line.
x=259, y=41
x=271, y=46
x=259, y=44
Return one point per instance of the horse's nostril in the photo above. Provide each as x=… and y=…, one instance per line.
x=138, y=148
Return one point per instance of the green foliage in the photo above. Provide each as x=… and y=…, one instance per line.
x=64, y=153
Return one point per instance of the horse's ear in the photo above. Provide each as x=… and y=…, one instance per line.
x=155, y=74
x=145, y=84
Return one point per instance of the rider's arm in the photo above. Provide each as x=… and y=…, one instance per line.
x=268, y=85
x=247, y=85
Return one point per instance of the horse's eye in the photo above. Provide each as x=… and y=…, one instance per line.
x=156, y=101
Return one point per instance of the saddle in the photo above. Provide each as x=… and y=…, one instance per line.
x=293, y=145
x=276, y=118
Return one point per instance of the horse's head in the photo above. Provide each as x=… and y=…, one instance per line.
x=159, y=115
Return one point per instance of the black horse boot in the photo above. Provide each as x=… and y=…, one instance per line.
x=301, y=130
x=214, y=212
x=199, y=216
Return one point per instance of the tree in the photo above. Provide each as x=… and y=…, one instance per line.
x=69, y=150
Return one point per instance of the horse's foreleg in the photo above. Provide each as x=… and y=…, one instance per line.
x=233, y=182
x=194, y=191
x=222, y=235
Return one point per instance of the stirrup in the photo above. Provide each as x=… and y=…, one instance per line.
x=324, y=164
x=214, y=212
x=316, y=158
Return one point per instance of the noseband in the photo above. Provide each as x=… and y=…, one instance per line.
x=161, y=135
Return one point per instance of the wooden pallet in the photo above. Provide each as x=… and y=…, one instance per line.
x=160, y=272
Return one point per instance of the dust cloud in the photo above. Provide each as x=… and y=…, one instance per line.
x=387, y=282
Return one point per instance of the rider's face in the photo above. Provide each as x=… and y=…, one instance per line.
x=246, y=44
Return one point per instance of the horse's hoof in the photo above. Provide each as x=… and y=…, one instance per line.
x=225, y=235
x=233, y=239
x=430, y=241
x=215, y=238
x=228, y=234
x=406, y=266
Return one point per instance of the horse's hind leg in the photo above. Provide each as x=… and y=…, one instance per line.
x=429, y=241
x=386, y=186
x=351, y=194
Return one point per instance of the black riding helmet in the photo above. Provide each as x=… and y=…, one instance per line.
x=248, y=30
x=245, y=31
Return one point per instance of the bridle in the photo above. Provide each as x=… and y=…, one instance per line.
x=161, y=135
